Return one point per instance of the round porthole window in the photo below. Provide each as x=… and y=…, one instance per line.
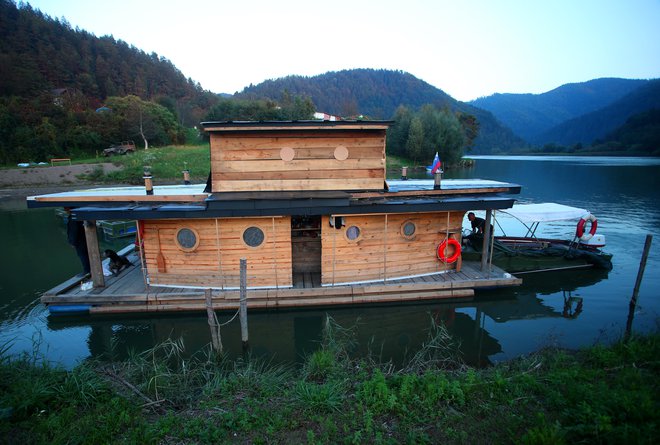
x=408, y=229
x=187, y=239
x=253, y=236
x=353, y=233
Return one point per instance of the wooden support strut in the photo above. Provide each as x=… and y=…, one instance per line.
x=243, y=304
x=486, y=243
x=95, y=264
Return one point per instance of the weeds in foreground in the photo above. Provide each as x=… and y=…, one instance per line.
x=599, y=395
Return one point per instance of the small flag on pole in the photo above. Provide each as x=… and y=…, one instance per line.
x=437, y=164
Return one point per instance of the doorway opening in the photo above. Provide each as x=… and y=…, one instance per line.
x=306, y=251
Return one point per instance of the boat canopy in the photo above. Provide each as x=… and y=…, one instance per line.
x=535, y=213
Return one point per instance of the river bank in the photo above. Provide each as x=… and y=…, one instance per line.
x=23, y=182
x=596, y=395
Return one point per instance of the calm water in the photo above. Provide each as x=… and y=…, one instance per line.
x=497, y=325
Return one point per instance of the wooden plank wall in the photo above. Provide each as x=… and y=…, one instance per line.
x=252, y=161
x=382, y=252
x=215, y=262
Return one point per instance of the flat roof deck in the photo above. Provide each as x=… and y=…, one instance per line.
x=127, y=293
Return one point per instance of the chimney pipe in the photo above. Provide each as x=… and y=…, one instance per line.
x=148, y=182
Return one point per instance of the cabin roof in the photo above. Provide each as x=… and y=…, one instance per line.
x=235, y=126
x=192, y=202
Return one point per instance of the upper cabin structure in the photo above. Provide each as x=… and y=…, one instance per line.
x=307, y=204
x=278, y=157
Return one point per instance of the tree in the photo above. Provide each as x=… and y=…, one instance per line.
x=135, y=118
x=296, y=108
x=434, y=130
x=415, y=142
x=397, y=135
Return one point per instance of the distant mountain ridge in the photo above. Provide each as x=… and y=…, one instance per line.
x=377, y=94
x=532, y=115
x=589, y=127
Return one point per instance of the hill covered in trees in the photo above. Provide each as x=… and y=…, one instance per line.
x=65, y=92
x=53, y=79
x=530, y=115
x=590, y=127
x=639, y=135
x=377, y=94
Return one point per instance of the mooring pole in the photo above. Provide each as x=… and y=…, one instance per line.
x=243, y=305
x=638, y=283
x=216, y=342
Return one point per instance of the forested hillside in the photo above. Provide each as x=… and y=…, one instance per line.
x=40, y=54
x=530, y=115
x=598, y=124
x=53, y=79
x=377, y=94
x=640, y=134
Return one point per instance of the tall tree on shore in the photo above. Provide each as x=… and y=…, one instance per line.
x=415, y=142
x=431, y=130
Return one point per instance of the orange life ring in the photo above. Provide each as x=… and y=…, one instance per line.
x=442, y=249
x=580, y=232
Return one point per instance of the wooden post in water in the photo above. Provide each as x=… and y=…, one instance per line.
x=243, y=305
x=95, y=265
x=638, y=282
x=216, y=341
x=485, y=247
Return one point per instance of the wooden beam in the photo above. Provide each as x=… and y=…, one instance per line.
x=95, y=261
x=485, y=248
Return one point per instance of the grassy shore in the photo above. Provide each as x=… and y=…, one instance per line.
x=596, y=395
x=166, y=163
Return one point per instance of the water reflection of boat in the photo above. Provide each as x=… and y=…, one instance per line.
x=528, y=304
x=529, y=253
x=388, y=332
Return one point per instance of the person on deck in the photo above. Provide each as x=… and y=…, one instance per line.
x=75, y=233
x=478, y=224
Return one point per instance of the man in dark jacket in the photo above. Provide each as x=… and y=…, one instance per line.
x=478, y=224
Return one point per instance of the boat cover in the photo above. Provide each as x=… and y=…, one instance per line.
x=532, y=213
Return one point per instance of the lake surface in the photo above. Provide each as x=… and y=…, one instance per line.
x=623, y=193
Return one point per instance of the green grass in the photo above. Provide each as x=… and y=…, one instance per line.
x=602, y=394
x=167, y=165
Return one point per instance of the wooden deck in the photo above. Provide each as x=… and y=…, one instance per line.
x=128, y=293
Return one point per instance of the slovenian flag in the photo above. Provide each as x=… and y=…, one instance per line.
x=437, y=164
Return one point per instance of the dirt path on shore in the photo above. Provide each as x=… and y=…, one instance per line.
x=18, y=182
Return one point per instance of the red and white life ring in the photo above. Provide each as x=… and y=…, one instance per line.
x=580, y=232
x=442, y=250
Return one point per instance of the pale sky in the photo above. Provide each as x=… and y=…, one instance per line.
x=467, y=48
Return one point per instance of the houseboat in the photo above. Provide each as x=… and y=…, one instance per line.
x=307, y=205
